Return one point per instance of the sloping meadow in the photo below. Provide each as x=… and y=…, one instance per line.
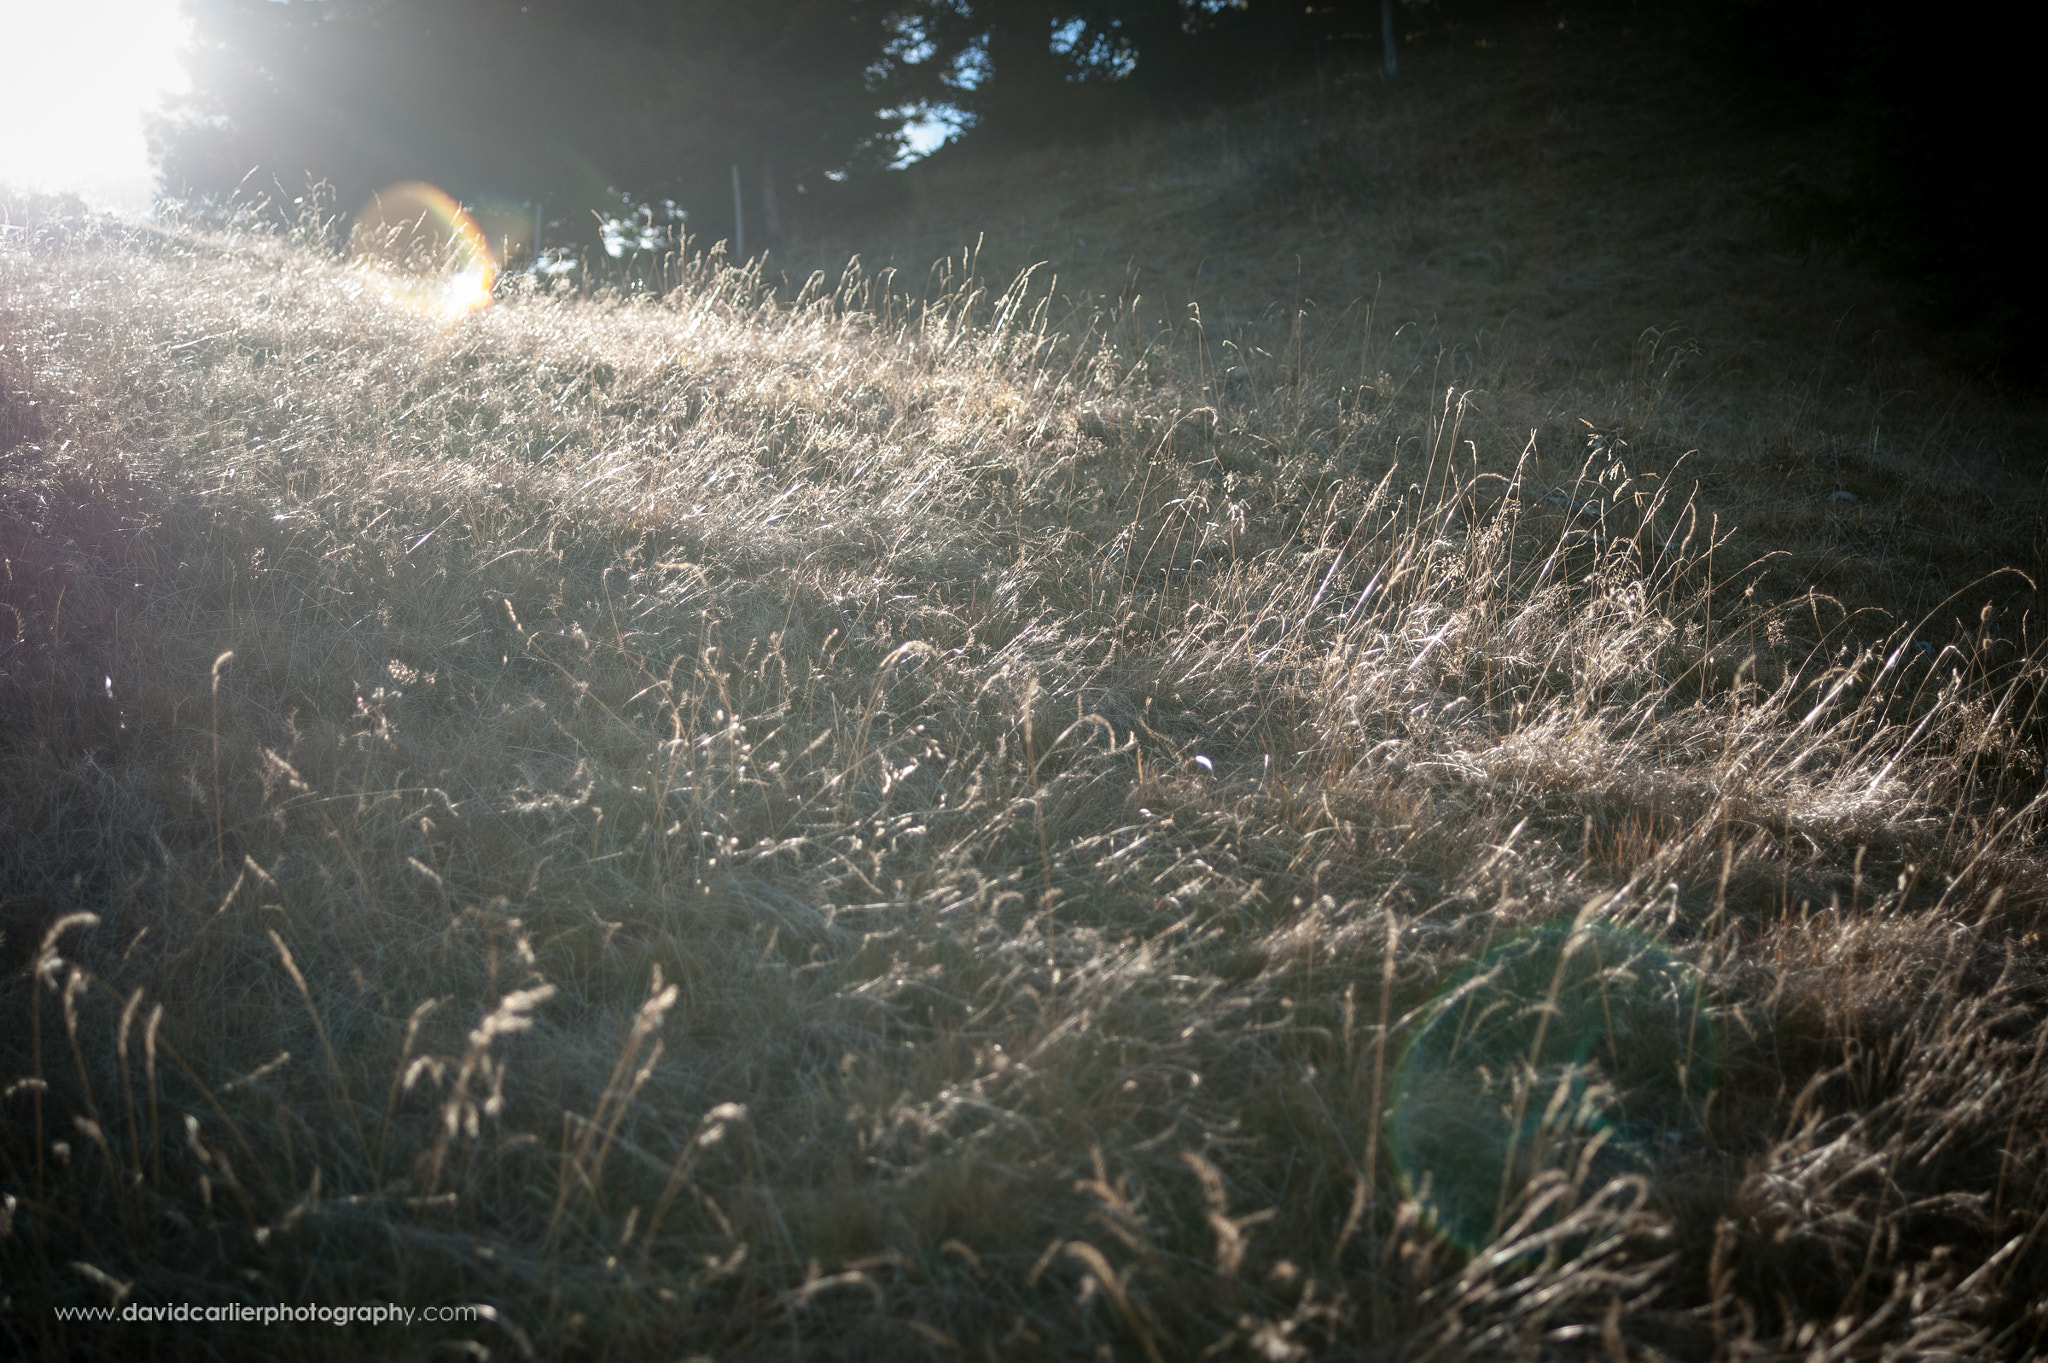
x=852, y=827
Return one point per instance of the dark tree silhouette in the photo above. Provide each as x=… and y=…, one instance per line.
x=1023, y=70
x=575, y=102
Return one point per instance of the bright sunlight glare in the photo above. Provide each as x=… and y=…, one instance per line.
x=81, y=77
x=423, y=252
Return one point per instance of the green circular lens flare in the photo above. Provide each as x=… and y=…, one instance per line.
x=1559, y=1045
x=424, y=252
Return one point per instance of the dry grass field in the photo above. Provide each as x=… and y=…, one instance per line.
x=1482, y=799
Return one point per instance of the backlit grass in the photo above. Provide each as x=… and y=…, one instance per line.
x=877, y=826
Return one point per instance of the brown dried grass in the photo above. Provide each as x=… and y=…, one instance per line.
x=852, y=826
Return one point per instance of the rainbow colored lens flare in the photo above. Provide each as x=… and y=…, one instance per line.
x=1568, y=1048
x=424, y=252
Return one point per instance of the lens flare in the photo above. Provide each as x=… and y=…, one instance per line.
x=424, y=251
x=1568, y=1043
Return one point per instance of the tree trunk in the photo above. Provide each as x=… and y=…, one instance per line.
x=771, y=211
x=739, y=219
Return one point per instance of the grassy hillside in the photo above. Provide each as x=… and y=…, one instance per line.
x=1556, y=222
x=935, y=818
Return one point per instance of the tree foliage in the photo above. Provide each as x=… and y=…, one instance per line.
x=575, y=102
x=1022, y=70
x=581, y=102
